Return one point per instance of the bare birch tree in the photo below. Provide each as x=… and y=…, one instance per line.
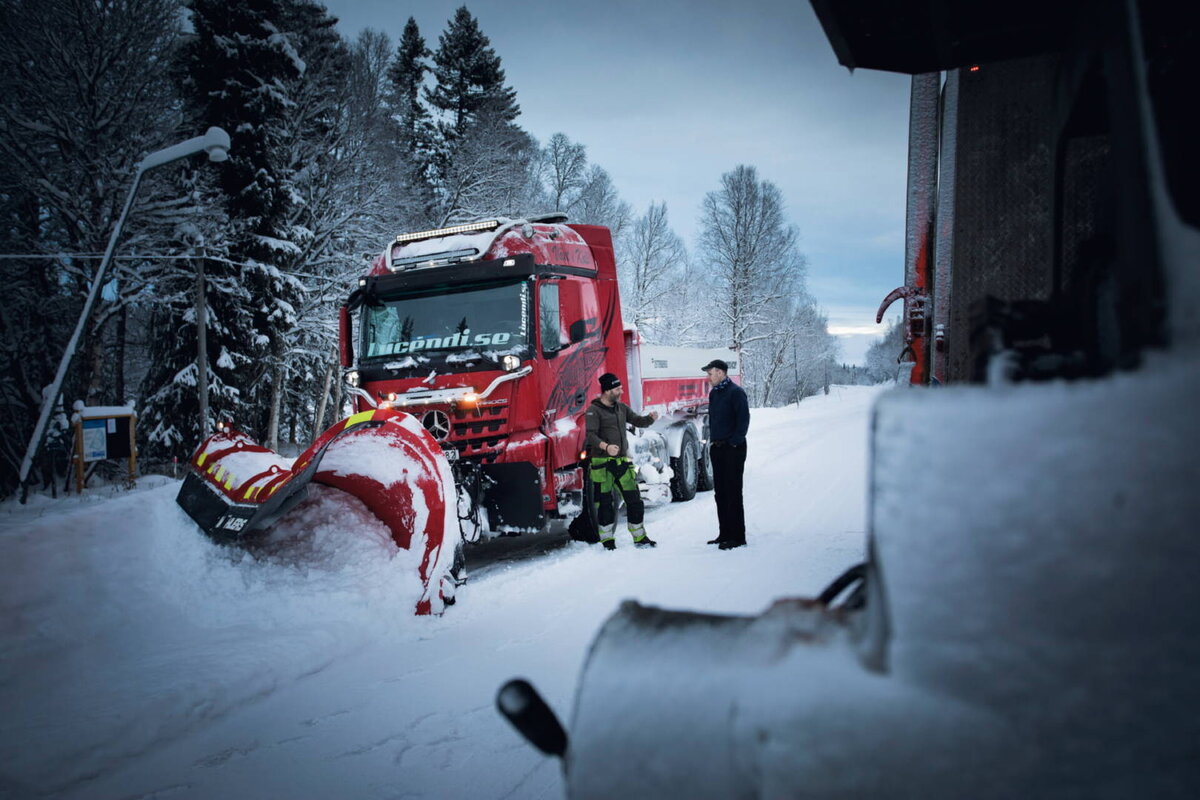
x=599, y=203
x=652, y=271
x=565, y=170
x=751, y=253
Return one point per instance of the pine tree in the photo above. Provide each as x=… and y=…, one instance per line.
x=470, y=80
x=414, y=135
x=327, y=149
x=407, y=77
x=236, y=73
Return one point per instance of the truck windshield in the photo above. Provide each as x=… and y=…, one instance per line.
x=489, y=320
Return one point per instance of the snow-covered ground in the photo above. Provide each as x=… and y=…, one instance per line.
x=139, y=660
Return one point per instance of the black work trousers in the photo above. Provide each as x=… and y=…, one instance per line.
x=728, y=464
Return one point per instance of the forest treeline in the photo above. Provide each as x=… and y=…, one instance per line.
x=337, y=146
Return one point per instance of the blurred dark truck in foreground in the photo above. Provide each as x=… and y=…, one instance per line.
x=1027, y=622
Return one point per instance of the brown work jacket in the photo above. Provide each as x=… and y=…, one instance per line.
x=607, y=424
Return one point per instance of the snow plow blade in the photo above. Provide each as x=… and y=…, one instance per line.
x=235, y=487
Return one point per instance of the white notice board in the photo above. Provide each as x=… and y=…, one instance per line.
x=95, y=439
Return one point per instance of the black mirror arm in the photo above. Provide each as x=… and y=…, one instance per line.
x=525, y=709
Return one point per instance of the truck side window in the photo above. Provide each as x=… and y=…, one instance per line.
x=548, y=316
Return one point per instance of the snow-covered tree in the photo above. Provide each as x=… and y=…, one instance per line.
x=600, y=204
x=481, y=161
x=415, y=136
x=883, y=354
x=483, y=172
x=239, y=67
x=469, y=78
x=406, y=76
x=752, y=255
x=564, y=167
x=800, y=360
x=321, y=147
x=653, y=271
x=84, y=99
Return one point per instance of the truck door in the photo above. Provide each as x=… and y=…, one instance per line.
x=568, y=308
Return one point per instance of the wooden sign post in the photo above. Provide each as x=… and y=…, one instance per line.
x=102, y=433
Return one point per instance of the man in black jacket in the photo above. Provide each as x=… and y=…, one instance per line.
x=608, y=448
x=728, y=422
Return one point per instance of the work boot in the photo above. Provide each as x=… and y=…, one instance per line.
x=610, y=544
x=730, y=545
x=717, y=540
x=640, y=539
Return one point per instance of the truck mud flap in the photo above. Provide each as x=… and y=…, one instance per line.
x=513, y=497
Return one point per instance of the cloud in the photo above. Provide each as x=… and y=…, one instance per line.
x=856, y=330
x=854, y=347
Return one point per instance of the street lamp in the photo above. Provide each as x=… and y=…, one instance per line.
x=215, y=142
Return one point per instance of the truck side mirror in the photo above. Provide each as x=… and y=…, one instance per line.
x=578, y=330
x=345, y=343
x=522, y=706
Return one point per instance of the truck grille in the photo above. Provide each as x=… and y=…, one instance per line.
x=479, y=438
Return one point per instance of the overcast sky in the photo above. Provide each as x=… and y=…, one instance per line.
x=668, y=95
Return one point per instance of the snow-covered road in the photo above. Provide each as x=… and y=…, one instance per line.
x=139, y=660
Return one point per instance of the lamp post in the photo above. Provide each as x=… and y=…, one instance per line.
x=215, y=142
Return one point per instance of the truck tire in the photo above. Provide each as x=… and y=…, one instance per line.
x=686, y=468
x=704, y=475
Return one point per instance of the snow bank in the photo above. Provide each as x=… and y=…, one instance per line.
x=125, y=629
x=139, y=659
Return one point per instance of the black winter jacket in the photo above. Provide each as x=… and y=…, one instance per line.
x=728, y=413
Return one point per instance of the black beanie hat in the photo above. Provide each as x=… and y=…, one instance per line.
x=609, y=381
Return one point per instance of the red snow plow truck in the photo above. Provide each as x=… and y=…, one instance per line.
x=471, y=353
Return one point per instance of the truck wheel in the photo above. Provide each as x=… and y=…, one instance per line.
x=686, y=469
x=704, y=475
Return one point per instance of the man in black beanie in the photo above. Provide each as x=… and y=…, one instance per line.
x=728, y=422
x=608, y=449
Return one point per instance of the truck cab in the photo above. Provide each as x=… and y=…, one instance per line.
x=493, y=335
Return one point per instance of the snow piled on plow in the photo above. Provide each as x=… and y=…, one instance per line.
x=404, y=471
x=245, y=464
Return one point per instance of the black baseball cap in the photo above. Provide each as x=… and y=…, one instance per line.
x=716, y=363
x=609, y=381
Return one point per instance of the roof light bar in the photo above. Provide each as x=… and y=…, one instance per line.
x=434, y=259
x=484, y=225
